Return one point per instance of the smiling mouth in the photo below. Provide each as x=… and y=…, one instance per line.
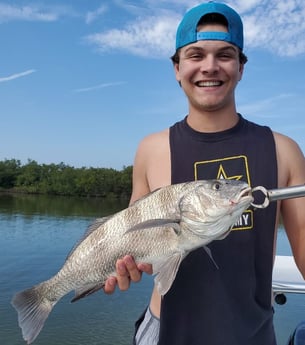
x=208, y=83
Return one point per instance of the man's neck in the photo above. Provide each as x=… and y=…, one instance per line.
x=211, y=122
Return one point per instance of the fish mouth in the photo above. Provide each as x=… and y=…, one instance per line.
x=245, y=196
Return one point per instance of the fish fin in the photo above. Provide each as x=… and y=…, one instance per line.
x=144, y=197
x=95, y=225
x=225, y=234
x=166, y=272
x=208, y=251
x=86, y=291
x=33, y=309
x=156, y=223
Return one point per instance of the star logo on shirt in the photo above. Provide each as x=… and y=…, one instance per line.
x=223, y=175
x=230, y=168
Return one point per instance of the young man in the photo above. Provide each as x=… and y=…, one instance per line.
x=231, y=304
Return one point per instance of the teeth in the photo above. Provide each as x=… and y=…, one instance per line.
x=209, y=83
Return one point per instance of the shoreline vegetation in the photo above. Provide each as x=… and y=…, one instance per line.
x=65, y=180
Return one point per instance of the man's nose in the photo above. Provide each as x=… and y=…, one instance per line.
x=209, y=64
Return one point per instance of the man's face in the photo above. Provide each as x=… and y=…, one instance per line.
x=209, y=72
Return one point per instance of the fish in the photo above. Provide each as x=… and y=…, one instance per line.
x=161, y=228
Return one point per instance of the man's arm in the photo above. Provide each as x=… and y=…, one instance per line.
x=291, y=165
x=126, y=268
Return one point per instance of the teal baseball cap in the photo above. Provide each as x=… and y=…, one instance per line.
x=187, y=29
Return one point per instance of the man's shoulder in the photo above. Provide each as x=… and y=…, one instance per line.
x=153, y=144
x=155, y=137
x=283, y=140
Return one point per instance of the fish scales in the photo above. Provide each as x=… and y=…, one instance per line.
x=160, y=228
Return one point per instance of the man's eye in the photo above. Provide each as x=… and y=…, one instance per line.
x=195, y=56
x=225, y=56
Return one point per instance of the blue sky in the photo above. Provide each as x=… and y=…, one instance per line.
x=82, y=82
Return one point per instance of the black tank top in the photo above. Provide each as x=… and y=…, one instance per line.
x=231, y=304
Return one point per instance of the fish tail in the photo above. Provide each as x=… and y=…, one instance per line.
x=33, y=309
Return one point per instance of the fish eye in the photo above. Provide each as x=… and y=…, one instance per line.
x=216, y=186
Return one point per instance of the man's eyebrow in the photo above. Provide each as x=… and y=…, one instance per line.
x=193, y=48
x=228, y=48
x=221, y=49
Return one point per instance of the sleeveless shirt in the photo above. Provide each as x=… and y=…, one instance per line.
x=231, y=303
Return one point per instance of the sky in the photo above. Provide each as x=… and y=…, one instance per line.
x=82, y=82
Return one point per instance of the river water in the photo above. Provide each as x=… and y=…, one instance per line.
x=37, y=233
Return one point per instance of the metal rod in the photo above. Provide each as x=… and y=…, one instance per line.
x=286, y=193
x=278, y=194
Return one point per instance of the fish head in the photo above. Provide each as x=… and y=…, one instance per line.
x=212, y=207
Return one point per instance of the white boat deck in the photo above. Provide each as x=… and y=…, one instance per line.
x=286, y=276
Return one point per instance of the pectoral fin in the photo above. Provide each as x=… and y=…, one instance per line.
x=166, y=272
x=156, y=223
x=225, y=234
x=208, y=251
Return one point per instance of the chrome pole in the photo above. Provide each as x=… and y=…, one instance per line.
x=278, y=194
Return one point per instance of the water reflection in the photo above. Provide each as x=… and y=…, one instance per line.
x=59, y=206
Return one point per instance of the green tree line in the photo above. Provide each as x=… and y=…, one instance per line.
x=62, y=179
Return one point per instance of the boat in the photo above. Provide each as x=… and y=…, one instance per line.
x=288, y=279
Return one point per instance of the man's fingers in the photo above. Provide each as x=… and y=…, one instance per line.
x=122, y=275
x=147, y=268
x=132, y=268
x=126, y=271
x=110, y=285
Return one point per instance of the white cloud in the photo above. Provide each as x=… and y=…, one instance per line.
x=17, y=75
x=29, y=13
x=274, y=25
x=91, y=16
x=268, y=107
x=242, y=6
x=149, y=37
x=100, y=86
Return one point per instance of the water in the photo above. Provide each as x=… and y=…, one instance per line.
x=287, y=316
x=36, y=234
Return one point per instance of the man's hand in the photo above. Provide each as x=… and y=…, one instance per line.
x=126, y=271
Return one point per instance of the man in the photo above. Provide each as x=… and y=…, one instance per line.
x=231, y=304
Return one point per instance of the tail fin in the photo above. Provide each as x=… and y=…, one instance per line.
x=33, y=309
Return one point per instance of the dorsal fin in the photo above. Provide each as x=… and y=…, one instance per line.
x=95, y=225
x=144, y=197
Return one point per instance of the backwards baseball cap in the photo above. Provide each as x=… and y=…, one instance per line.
x=187, y=29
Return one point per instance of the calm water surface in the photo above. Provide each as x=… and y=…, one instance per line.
x=37, y=233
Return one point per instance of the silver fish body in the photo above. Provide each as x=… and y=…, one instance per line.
x=161, y=229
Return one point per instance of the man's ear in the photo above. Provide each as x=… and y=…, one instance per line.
x=241, y=71
x=177, y=73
